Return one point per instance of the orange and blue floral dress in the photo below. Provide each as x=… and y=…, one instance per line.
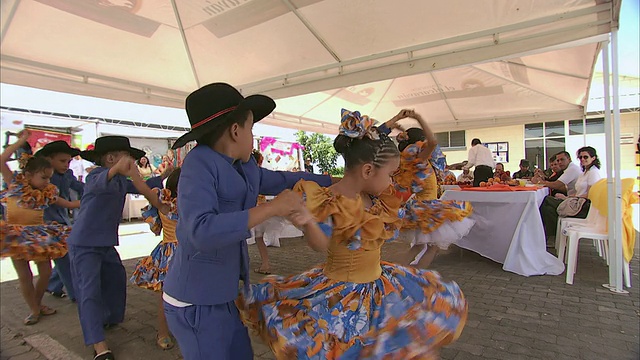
x=355, y=305
x=151, y=270
x=24, y=235
x=429, y=220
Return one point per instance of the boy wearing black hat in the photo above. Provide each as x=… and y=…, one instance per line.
x=217, y=195
x=99, y=277
x=59, y=154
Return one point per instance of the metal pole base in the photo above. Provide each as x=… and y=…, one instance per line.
x=613, y=289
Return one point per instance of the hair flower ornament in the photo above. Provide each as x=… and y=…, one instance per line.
x=357, y=126
x=23, y=160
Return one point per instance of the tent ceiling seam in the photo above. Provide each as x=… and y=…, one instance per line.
x=85, y=75
x=448, y=41
x=321, y=102
x=425, y=60
x=185, y=42
x=6, y=26
x=546, y=70
x=444, y=96
x=313, y=31
x=523, y=86
x=382, y=97
x=600, y=48
x=96, y=119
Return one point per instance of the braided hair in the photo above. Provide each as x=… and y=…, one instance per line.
x=357, y=151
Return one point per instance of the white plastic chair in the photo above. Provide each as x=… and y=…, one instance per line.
x=574, y=234
x=593, y=216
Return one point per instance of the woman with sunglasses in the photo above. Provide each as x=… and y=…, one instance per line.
x=590, y=175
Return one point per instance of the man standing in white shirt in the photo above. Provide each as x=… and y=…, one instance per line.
x=565, y=185
x=482, y=158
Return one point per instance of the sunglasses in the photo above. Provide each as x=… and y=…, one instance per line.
x=584, y=157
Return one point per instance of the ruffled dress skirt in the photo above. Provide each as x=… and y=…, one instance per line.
x=33, y=242
x=407, y=313
x=436, y=222
x=151, y=270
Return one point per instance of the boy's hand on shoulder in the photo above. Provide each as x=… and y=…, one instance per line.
x=286, y=202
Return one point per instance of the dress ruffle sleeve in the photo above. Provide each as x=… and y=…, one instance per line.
x=413, y=172
x=151, y=215
x=346, y=220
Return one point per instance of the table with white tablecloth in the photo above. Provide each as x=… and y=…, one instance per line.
x=275, y=229
x=509, y=230
x=133, y=205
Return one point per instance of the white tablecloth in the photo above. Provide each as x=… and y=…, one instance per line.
x=133, y=205
x=509, y=230
x=274, y=230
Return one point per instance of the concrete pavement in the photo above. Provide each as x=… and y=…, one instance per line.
x=510, y=316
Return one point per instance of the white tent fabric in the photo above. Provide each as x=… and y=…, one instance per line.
x=534, y=58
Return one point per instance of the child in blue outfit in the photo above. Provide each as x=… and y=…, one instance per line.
x=59, y=154
x=217, y=193
x=99, y=278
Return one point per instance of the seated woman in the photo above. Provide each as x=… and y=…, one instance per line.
x=590, y=175
x=145, y=168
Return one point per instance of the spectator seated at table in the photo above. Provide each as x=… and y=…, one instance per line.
x=447, y=172
x=525, y=172
x=576, y=182
x=165, y=164
x=500, y=173
x=552, y=174
x=465, y=176
x=145, y=168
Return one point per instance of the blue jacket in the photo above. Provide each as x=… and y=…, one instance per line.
x=214, y=196
x=65, y=183
x=101, y=208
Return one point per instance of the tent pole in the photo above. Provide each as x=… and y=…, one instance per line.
x=617, y=252
x=608, y=130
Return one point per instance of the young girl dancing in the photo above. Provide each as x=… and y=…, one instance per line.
x=24, y=236
x=151, y=270
x=355, y=305
x=430, y=224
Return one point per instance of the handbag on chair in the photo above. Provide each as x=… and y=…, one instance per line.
x=576, y=207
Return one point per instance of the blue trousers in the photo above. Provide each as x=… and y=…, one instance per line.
x=61, y=277
x=209, y=332
x=100, y=282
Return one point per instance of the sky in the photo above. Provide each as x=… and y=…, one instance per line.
x=29, y=98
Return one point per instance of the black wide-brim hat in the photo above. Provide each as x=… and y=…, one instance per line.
x=106, y=144
x=58, y=147
x=209, y=106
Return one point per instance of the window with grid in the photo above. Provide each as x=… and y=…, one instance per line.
x=543, y=140
x=452, y=139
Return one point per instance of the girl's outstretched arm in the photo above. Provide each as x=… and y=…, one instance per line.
x=432, y=141
x=7, y=175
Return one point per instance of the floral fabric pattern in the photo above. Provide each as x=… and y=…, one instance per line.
x=151, y=270
x=32, y=242
x=405, y=313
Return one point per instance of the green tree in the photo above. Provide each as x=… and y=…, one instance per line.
x=320, y=149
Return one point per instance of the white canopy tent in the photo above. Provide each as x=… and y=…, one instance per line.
x=466, y=63
x=488, y=60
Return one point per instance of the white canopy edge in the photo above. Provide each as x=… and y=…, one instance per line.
x=563, y=30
